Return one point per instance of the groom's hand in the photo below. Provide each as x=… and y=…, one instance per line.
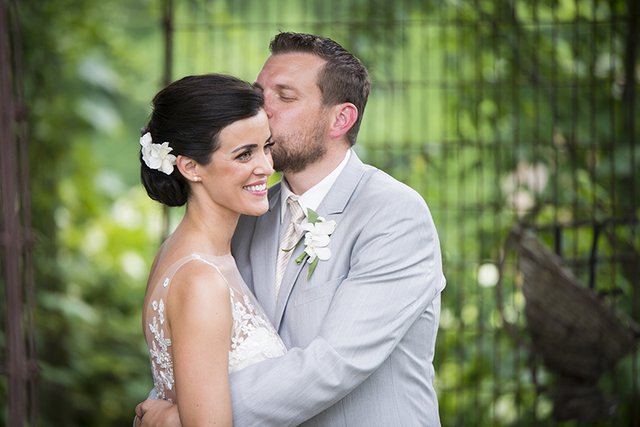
x=157, y=413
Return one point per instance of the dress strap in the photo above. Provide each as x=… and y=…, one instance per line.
x=173, y=268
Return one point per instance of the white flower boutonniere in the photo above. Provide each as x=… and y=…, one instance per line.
x=316, y=240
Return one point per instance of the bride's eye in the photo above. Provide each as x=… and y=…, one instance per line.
x=268, y=146
x=245, y=155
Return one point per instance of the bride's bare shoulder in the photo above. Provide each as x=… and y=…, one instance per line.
x=198, y=285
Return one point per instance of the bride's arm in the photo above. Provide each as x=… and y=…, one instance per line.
x=199, y=315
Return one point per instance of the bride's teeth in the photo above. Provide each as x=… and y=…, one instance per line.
x=261, y=187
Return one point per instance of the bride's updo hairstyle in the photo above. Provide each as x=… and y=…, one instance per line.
x=189, y=114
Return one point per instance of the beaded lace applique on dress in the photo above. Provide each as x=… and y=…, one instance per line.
x=253, y=338
x=161, y=361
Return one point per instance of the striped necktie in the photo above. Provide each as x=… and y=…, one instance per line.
x=289, y=239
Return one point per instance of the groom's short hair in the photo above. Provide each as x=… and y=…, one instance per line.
x=343, y=78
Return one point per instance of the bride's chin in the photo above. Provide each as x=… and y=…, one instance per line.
x=256, y=211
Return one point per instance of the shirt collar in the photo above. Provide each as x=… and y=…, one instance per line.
x=312, y=198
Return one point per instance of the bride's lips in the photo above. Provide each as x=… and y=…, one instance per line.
x=257, y=188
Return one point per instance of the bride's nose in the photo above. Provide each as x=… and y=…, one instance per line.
x=264, y=165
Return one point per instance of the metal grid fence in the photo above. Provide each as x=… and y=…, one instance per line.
x=499, y=113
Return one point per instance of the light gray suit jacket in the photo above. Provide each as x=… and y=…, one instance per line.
x=361, y=331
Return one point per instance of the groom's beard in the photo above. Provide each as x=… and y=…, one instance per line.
x=293, y=152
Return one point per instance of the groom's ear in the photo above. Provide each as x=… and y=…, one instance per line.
x=344, y=116
x=187, y=167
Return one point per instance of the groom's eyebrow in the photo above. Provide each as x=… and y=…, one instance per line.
x=280, y=87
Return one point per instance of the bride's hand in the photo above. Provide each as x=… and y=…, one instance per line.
x=157, y=413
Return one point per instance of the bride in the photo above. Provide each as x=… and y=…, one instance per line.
x=207, y=145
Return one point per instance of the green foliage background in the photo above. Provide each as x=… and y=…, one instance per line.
x=463, y=94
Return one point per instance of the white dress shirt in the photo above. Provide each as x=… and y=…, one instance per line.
x=312, y=198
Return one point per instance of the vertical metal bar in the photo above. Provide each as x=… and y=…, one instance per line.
x=480, y=147
x=167, y=26
x=574, y=143
x=517, y=143
x=613, y=136
x=538, y=108
x=593, y=131
x=553, y=90
x=629, y=91
x=629, y=130
x=457, y=80
x=443, y=185
x=501, y=108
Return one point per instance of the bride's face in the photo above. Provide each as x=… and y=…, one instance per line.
x=236, y=177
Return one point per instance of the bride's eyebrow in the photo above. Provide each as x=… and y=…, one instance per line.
x=244, y=147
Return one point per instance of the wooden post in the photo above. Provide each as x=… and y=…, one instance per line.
x=11, y=237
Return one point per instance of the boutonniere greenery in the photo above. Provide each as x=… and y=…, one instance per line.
x=316, y=240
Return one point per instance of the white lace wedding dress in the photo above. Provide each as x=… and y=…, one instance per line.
x=253, y=337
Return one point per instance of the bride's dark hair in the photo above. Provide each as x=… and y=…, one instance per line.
x=189, y=114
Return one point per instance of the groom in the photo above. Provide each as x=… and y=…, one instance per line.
x=361, y=326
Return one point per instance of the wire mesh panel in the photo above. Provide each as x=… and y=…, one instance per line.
x=501, y=114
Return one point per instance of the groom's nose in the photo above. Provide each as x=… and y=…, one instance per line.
x=267, y=106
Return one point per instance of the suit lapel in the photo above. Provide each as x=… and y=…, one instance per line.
x=264, y=249
x=331, y=207
x=335, y=202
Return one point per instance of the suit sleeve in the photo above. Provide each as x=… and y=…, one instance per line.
x=395, y=274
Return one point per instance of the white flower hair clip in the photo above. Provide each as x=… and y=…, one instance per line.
x=156, y=156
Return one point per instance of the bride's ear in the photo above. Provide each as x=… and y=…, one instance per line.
x=188, y=168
